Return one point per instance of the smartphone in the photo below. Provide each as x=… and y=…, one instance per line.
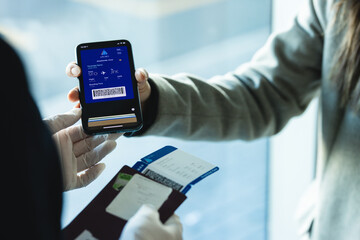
x=109, y=95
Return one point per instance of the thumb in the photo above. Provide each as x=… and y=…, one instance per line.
x=174, y=226
x=144, y=87
x=73, y=70
x=89, y=175
x=148, y=210
x=64, y=120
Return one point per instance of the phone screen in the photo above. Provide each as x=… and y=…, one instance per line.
x=108, y=89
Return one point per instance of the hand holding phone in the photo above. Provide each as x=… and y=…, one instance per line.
x=141, y=75
x=108, y=89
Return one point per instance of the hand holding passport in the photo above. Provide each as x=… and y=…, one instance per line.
x=160, y=179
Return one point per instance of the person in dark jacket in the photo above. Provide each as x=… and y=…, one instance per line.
x=33, y=196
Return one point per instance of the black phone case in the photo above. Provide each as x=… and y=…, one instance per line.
x=84, y=122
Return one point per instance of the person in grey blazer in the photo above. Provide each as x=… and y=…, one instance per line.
x=318, y=56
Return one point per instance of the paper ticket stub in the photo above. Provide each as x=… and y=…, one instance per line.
x=175, y=168
x=138, y=191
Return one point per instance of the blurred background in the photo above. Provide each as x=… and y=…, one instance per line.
x=251, y=196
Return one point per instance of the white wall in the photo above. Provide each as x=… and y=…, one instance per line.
x=292, y=151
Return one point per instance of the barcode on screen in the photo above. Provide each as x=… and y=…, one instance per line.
x=101, y=93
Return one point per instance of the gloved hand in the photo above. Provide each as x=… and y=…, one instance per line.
x=146, y=225
x=77, y=151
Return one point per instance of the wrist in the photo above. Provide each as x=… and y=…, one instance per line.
x=149, y=110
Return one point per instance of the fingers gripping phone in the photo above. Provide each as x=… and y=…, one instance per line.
x=109, y=95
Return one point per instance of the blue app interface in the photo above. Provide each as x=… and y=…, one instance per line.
x=106, y=74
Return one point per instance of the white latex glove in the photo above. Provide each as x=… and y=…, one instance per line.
x=77, y=151
x=146, y=225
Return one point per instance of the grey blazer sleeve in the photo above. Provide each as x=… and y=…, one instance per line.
x=255, y=100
